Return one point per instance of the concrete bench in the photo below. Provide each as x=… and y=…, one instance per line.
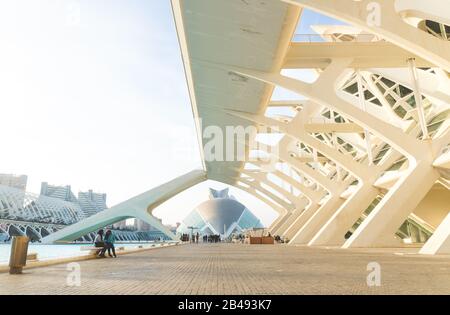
x=96, y=250
x=32, y=257
x=92, y=249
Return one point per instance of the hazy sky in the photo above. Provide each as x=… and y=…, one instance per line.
x=93, y=94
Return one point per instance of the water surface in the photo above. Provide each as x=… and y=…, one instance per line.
x=46, y=252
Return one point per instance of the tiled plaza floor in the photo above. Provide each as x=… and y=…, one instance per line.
x=240, y=269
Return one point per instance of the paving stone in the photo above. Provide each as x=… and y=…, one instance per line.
x=241, y=269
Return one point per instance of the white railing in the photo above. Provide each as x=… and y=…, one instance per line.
x=350, y=38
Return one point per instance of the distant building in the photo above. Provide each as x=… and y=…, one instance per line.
x=141, y=229
x=92, y=203
x=89, y=202
x=142, y=226
x=18, y=205
x=14, y=181
x=133, y=225
x=36, y=216
x=221, y=215
x=59, y=192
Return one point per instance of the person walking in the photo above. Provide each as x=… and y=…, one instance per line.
x=110, y=239
x=196, y=237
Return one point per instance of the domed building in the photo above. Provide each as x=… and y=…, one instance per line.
x=221, y=215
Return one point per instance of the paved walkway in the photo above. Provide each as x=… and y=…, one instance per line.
x=240, y=269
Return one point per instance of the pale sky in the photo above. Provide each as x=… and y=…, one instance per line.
x=93, y=95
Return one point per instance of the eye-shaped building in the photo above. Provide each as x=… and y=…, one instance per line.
x=221, y=215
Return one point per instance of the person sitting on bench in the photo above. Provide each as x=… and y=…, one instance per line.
x=100, y=243
x=109, y=243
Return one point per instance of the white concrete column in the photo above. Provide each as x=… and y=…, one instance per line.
x=252, y=191
x=261, y=178
x=333, y=232
x=288, y=222
x=316, y=220
x=277, y=225
x=257, y=186
x=379, y=228
x=300, y=220
x=439, y=242
x=275, y=222
x=362, y=103
x=418, y=97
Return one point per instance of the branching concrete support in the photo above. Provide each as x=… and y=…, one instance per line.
x=262, y=197
x=315, y=221
x=384, y=20
x=379, y=228
x=333, y=232
x=314, y=217
x=279, y=223
x=439, y=242
x=418, y=97
x=323, y=92
x=402, y=198
x=299, y=203
x=301, y=219
x=289, y=220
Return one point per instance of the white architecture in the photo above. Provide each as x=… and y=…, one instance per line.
x=91, y=203
x=221, y=215
x=60, y=192
x=363, y=155
x=14, y=181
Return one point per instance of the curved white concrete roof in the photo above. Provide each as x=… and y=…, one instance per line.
x=216, y=32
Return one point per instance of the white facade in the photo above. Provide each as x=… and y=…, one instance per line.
x=15, y=181
x=60, y=192
x=92, y=203
x=363, y=158
x=365, y=144
x=221, y=215
x=89, y=201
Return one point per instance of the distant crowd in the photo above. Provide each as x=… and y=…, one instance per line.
x=194, y=238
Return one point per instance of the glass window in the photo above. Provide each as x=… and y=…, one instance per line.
x=400, y=111
x=398, y=164
x=403, y=91
x=433, y=26
x=352, y=89
x=388, y=82
x=391, y=100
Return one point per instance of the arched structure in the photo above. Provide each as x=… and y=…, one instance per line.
x=366, y=144
x=139, y=207
x=363, y=155
x=221, y=215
